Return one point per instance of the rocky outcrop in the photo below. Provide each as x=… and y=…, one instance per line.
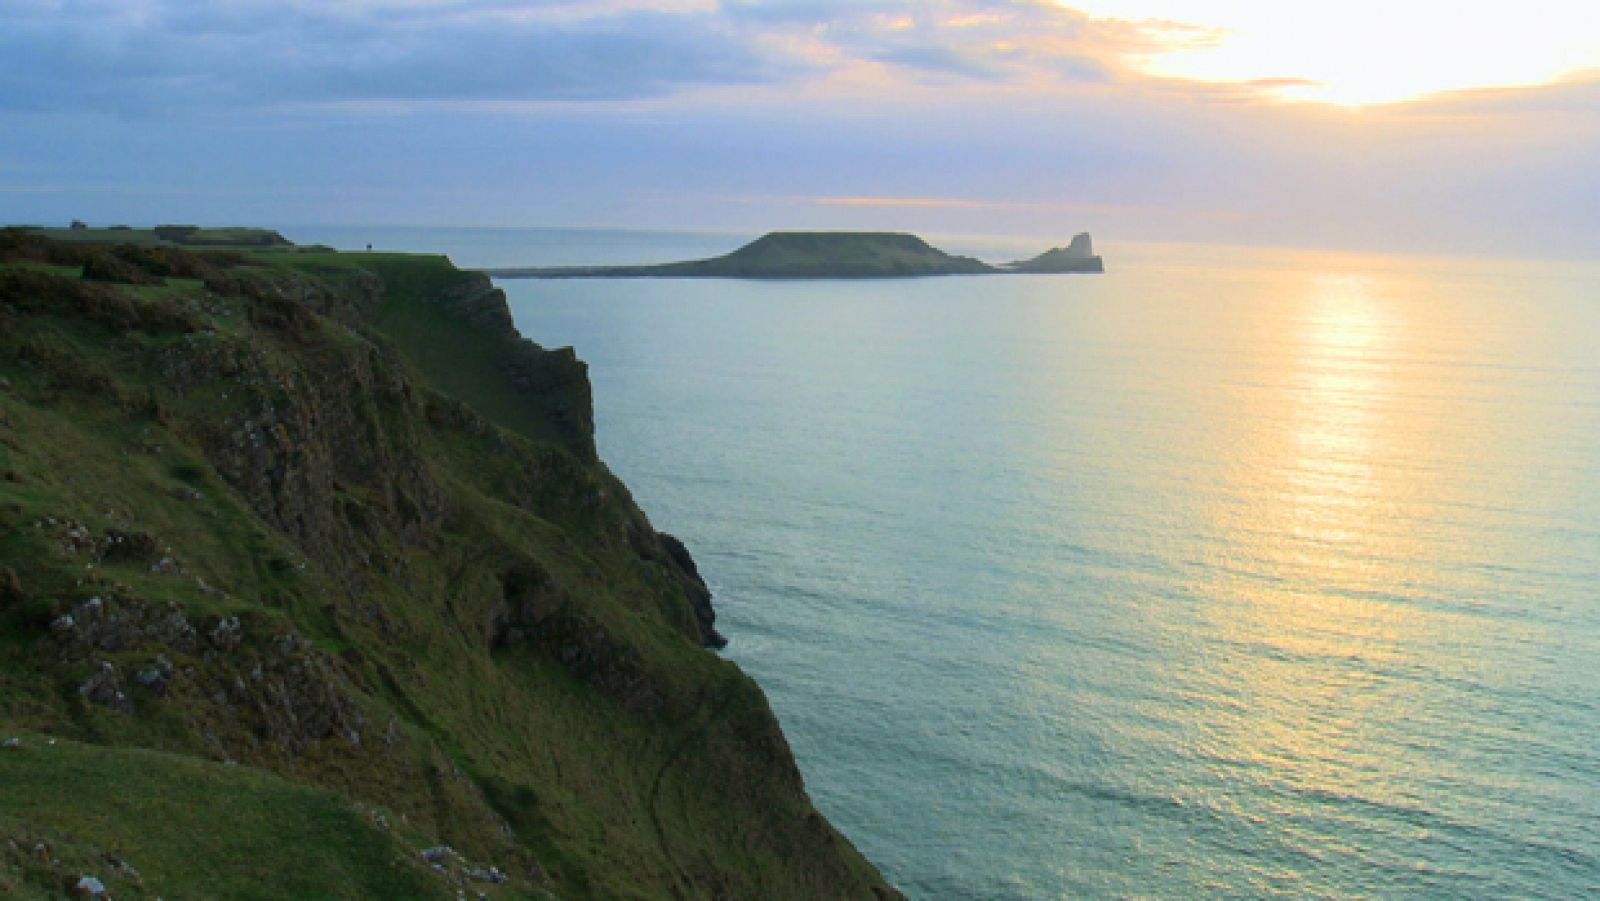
x=260, y=693
x=555, y=382
x=696, y=588
x=477, y=301
x=529, y=598
x=1078, y=256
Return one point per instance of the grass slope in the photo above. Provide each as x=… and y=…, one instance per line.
x=170, y=235
x=196, y=828
x=330, y=519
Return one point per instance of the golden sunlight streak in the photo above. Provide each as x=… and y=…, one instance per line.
x=1362, y=52
x=1332, y=480
x=1311, y=567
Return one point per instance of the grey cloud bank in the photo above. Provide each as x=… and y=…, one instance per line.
x=172, y=57
x=156, y=55
x=744, y=116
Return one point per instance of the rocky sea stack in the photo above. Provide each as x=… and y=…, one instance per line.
x=1078, y=256
x=312, y=585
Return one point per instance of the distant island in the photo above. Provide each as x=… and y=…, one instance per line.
x=818, y=255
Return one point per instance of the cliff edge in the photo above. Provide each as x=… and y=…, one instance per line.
x=312, y=585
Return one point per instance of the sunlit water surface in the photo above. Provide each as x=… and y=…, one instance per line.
x=1228, y=572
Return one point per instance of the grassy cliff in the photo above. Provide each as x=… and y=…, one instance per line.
x=308, y=566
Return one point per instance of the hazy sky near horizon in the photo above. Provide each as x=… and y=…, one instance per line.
x=1414, y=125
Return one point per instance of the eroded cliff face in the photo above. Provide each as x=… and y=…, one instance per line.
x=552, y=384
x=331, y=517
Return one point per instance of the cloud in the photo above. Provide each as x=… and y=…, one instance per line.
x=977, y=40
x=1576, y=96
x=948, y=202
x=141, y=57
x=968, y=115
x=961, y=203
x=168, y=56
x=933, y=59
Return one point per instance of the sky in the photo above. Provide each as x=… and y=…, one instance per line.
x=1406, y=125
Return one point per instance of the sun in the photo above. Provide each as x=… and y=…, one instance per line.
x=1363, y=52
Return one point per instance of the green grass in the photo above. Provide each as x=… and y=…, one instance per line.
x=193, y=829
x=100, y=235
x=200, y=238
x=63, y=271
x=373, y=486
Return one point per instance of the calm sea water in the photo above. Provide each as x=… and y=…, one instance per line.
x=1230, y=572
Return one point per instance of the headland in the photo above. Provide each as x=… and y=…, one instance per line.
x=831, y=255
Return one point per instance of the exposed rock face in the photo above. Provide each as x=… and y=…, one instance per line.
x=530, y=598
x=699, y=594
x=300, y=450
x=479, y=302
x=105, y=688
x=1078, y=256
x=260, y=694
x=557, y=383
x=1081, y=248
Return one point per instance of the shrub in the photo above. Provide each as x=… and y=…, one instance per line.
x=176, y=233
x=112, y=267
x=31, y=291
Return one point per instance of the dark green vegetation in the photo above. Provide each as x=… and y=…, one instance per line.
x=192, y=236
x=804, y=255
x=197, y=829
x=307, y=564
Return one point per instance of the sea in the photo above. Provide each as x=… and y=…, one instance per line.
x=1230, y=572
